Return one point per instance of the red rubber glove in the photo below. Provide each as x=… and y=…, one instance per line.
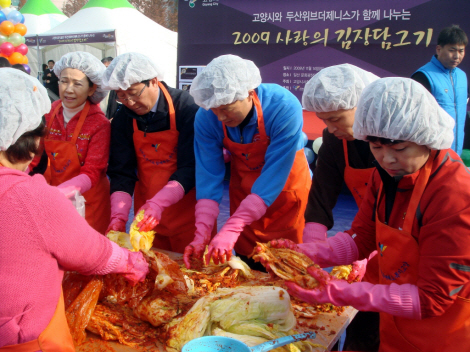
x=398, y=300
x=251, y=209
x=206, y=214
x=121, y=203
x=172, y=193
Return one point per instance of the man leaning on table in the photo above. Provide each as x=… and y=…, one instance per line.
x=261, y=126
x=151, y=155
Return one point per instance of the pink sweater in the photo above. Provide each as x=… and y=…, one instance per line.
x=41, y=235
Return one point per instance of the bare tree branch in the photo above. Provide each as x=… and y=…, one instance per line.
x=164, y=12
x=21, y=4
x=71, y=7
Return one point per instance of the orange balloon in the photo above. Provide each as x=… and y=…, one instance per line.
x=1, y=55
x=20, y=28
x=6, y=28
x=15, y=58
x=25, y=60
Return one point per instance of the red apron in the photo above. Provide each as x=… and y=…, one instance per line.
x=398, y=263
x=56, y=336
x=356, y=180
x=156, y=161
x=64, y=164
x=285, y=217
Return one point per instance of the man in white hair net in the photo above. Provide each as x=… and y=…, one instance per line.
x=153, y=134
x=42, y=234
x=416, y=214
x=333, y=94
x=261, y=126
x=77, y=142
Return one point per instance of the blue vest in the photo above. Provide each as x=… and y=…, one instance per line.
x=449, y=87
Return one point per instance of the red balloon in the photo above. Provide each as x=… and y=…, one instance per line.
x=22, y=49
x=7, y=49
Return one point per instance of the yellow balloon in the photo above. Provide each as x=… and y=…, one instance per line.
x=25, y=60
x=5, y=3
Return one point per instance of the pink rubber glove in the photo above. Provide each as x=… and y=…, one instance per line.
x=251, y=209
x=80, y=183
x=132, y=265
x=358, y=270
x=337, y=250
x=172, y=193
x=314, y=232
x=227, y=155
x=206, y=213
x=398, y=300
x=121, y=203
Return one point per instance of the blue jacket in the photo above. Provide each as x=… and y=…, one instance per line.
x=449, y=87
x=283, y=122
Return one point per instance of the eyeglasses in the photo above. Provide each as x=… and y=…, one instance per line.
x=132, y=97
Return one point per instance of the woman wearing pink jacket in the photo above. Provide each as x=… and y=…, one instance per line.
x=41, y=233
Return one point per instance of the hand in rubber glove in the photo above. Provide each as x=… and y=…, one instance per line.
x=80, y=183
x=280, y=243
x=251, y=209
x=358, y=270
x=116, y=225
x=172, y=193
x=337, y=250
x=136, y=267
x=206, y=213
x=227, y=156
x=121, y=203
x=399, y=300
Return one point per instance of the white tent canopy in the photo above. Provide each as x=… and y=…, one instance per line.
x=39, y=16
x=42, y=23
x=133, y=32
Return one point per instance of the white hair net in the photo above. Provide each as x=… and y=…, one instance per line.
x=89, y=65
x=336, y=88
x=128, y=69
x=402, y=109
x=226, y=79
x=23, y=102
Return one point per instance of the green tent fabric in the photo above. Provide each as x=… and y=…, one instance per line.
x=40, y=7
x=109, y=4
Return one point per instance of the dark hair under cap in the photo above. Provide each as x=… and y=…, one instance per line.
x=25, y=145
x=4, y=62
x=383, y=141
x=452, y=35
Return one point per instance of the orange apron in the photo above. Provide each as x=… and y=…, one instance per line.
x=398, y=263
x=285, y=217
x=156, y=161
x=65, y=164
x=356, y=180
x=56, y=336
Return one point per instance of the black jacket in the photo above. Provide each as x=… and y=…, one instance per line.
x=53, y=81
x=328, y=176
x=122, y=169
